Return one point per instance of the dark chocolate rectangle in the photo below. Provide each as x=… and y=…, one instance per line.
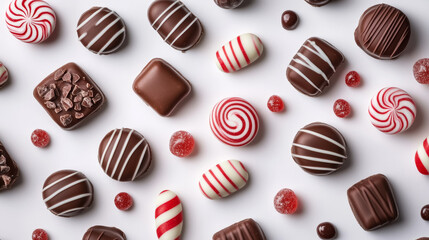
x=247, y=229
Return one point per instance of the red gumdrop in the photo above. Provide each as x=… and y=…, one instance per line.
x=421, y=71
x=342, y=108
x=181, y=144
x=275, y=104
x=286, y=202
x=352, y=79
x=123, y=201
x=39, y=234
x=40, y=138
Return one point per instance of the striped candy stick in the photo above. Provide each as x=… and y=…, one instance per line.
x=168, y=216
x=223, y=179
x=422, y=158
x=239, y=53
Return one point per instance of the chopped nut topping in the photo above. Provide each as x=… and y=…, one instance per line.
x=49, y=95
x=58, y=74
x=50, y=105
x=76, y=90
x=52, y=86
x=87, y=102
x=76, y=78
x=90, y=93
x=67, y=77
x=96, y=98
x=66, y=103
x=66, y=119
x=79, y=115
x=2, y=160
x=78, y=98
x=84, y=94
x=41, y=90
x=77, y=107
x=89, y=86
x=58, y=109
x=6, y=180
x=4, y=169
x=66, y=90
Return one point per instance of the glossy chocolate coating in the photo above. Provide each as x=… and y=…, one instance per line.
x=124, y=154
x=383, y=32
x=247, y=229
x=289, y=20
x=423, y=238
x=228, y=4
x=372, y=202
x=175, y=24
x=326, y=230
x=104, y=233
x=161, y=86
x=67, y=193
x=424, y=213
x=319, y=149
x=312, y=67
x=101, y=30
x=9, y=171
x=69, y=96
x=317, y=3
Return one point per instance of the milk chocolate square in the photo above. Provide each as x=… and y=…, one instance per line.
x=247, y=229
x=9, y=171
x=161, y=86
x=372, y=202
x=69, y=96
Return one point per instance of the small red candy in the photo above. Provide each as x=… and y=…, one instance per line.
x=181, y=144
x=286, y=202
x=275, y=104
x=342, y=108
x=123, y=201
x=39, y=234
x=40, y=138
x=421, y=71
x=352, y=79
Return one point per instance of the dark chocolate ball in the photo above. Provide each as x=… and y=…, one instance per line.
x=326, y=230
x=317, y=3
x=228, y=4
x=425, y=212
x=289, y=20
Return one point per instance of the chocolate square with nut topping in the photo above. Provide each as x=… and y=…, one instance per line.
x=161, y=86
x=9, y=171
x=69, y=96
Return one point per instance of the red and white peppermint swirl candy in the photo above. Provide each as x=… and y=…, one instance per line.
x=234, y=121
x=422, y=157
x=31, y=21
x=4, y=75
x=168, y=216
x=392, y=110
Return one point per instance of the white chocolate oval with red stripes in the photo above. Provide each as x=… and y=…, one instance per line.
x=239, y=52
x=422, y=157
x=168, y=216
x=224, y=179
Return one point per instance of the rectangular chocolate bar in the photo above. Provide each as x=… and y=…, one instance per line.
x=247, y=229
x=69, y=96
x=372, y=202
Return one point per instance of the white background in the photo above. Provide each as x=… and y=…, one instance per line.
x=322, y=198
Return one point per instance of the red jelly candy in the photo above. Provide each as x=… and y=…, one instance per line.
x=286, y=202
x=181, y=144
x=421, y=71
x=275, y=104
x=39, y=234
x=123, y=201
x=352, y=79
x=342, y=108
x=40, y=138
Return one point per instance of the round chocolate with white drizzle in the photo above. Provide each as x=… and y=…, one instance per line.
x=319, y=149
x=67, y=193
x=124, y=154
x=101, y=30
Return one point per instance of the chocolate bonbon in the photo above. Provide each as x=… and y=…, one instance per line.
x=289, y=20
x=392, y=110
x=424, y=213
x=104, y=233
x=168, y=216
x=4, y=75
x=372, y=202
x=247, y=229
x=228, y=4
x=421, y=157
x=223, y=179
x=317, y=3
x=177, y=26
x=234, y=121
x=161, y=86
x=312, y=67
x=239, y=52
x=124, y=154
x=9, y=171
x=69, y=96
x=383, y=31
x=319, y=149
x=31, y=21
x=326, y=230
x=101, y=30
x=67, y=193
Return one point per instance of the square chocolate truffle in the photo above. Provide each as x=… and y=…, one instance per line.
x=372, y=202
x=69, y=96
x=9, y=171
x=161, y=86
x=247, y=229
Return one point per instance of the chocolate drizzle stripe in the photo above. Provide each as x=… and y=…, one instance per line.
x=318, y=150
x=184, y=30
x=74, y=198
x=121, y=153
x=178, y=24
x=89, y=18
x=168, y=16
x=320, y=53
x=308, y=64
x=64, y=213
x=59, y=180
x=304, y=77
x=65, y=188
x=113, y=38
x=323, y=137
x=107, y=146
x=316, y=159
x=100, y=34
x=128, y=159
x=140, y=162
x=113, y=150
x=164, y=12
x=103, y=18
